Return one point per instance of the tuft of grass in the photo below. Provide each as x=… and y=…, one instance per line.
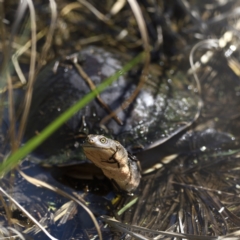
x=29, y=146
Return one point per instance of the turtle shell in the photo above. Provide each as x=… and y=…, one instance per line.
x=165, y=105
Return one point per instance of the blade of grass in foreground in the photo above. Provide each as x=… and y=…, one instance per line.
x=29, y=146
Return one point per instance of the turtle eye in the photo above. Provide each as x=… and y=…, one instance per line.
x=103, y=140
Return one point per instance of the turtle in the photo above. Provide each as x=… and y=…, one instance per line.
x=166, y=105
x=124, y=169
x=114, y=160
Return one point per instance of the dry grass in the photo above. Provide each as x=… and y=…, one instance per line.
x=36, y=36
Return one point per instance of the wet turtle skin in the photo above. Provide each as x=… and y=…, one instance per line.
x=164, y=107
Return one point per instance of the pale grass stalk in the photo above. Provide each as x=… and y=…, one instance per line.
x=28, y=94
x=98, y=14
x=49, y=37
x=82, y=203
x=144, y=76
x=27, y=214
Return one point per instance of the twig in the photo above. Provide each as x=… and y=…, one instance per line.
x=28, y=214
x=61, y=192
x=48, y=42
x=143, y=30
x=28, y=95
x=93, y=88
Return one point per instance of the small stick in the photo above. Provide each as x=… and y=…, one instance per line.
x=93, y=87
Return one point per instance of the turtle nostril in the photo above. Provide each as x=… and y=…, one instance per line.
x=90, y=140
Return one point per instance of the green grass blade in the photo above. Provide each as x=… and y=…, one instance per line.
x=15, y=157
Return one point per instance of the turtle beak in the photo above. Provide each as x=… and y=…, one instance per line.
x=87, y=143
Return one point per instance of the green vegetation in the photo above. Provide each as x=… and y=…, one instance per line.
x=29, y=146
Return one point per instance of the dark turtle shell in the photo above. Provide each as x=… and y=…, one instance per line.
x=165, y=105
